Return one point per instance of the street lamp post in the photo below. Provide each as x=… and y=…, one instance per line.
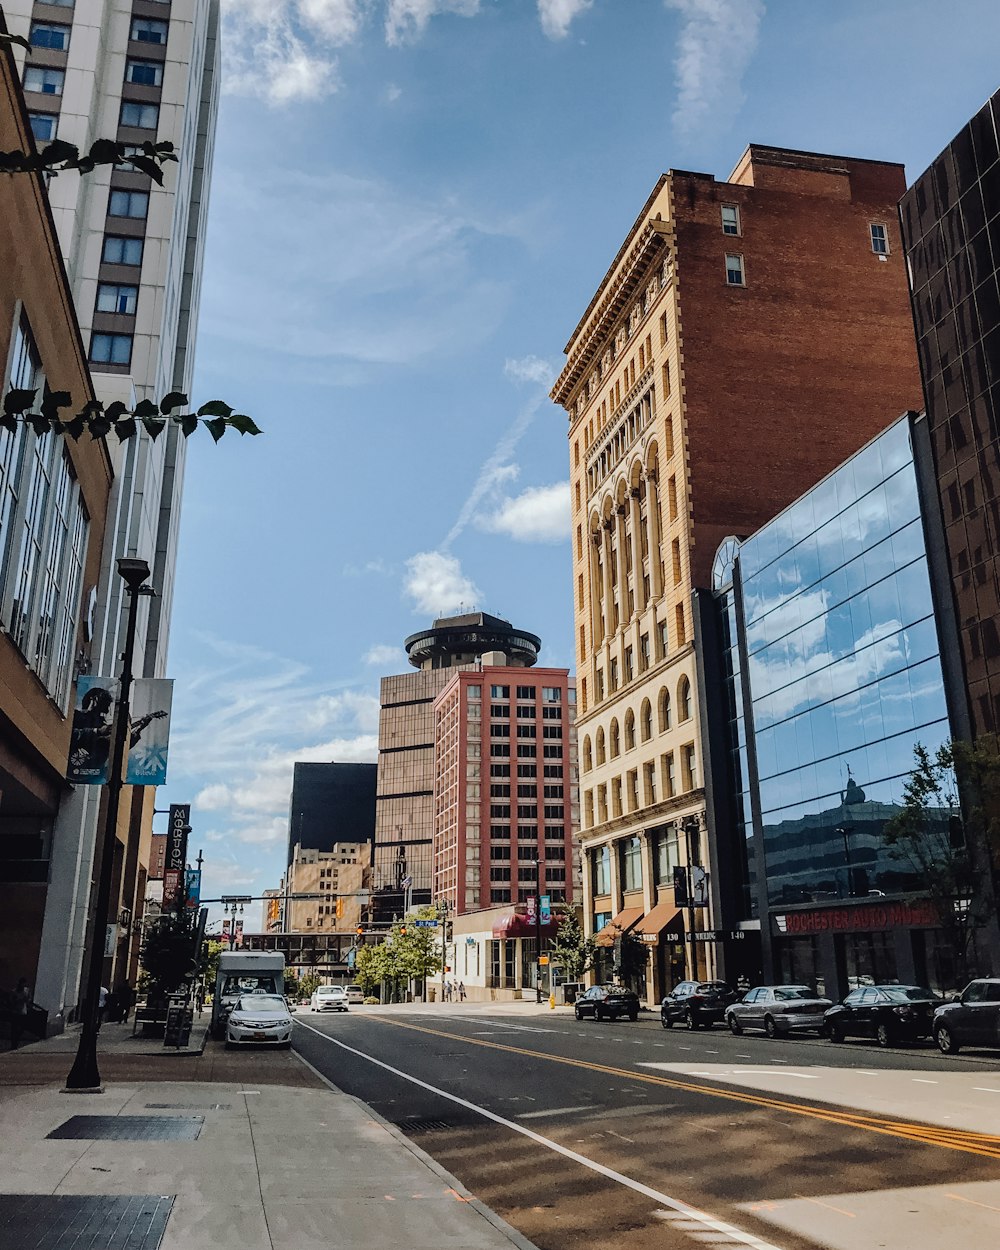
x=690, y=827
x=538, y=930
x=85, y=1074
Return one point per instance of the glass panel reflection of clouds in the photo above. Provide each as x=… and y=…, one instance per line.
x=844, y=673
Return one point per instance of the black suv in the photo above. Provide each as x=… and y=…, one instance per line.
x=608, y=1002
x=700, y=1004
x=973, y=1019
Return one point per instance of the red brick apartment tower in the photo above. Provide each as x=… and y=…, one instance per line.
x=749, y=336
x=505, y=786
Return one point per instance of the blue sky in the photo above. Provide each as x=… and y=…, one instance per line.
x=412, y=205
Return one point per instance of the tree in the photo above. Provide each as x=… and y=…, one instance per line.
x=374, y=966
x=631, y=957
x=168, y=955
x=954, y=856
x=416, y=950
x=571, y=950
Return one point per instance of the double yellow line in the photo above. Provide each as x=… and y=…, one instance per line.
x=983, y=1144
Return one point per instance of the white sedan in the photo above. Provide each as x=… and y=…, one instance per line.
x=259, y=1018
x=329, y=998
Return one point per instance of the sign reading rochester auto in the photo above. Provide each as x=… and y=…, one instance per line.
x=859, y=918
x=176, y=858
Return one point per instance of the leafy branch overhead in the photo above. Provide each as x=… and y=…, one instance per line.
x=97, y=421
x=149, y=158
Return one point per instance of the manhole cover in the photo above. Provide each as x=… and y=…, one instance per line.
x=188, y=1106
x=45, y=1222
x=425, y=1126
x=131, y=1127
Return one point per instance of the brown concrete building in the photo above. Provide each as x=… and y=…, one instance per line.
x=340, y=877
x=49, y=551
x=749, y=336
x=506, y=795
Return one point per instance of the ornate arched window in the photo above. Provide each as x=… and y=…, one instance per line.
x=683, y=699
x=614, y=742
x=629, y=730
x=588, y=761
x=663, y=707
x=600, y=746
x=646, y=721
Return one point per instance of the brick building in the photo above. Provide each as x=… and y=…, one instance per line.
x=749, y=336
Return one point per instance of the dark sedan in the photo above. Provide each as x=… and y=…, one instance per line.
x=889, y=1013
x=779, y=1010
x=607, y=1002
x=698, y=1003
x=972, y=1019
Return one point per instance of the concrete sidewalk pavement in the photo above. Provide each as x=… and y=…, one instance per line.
x=277, y=1160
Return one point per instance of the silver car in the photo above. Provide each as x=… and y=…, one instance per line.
x=259, y=1018
x=778, y=1010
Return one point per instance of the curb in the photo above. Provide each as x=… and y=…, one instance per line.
x=487, y=1213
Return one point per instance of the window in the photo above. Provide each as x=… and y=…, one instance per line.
x=880, y=239
x=649, y=783
x=49, y=35
x=500, y=791
x=553, y=792
x=499, y=731
x=646, y=720
x=111, y=349
x=630, y=862
x=148, y=30
x=551, y=731
x=529, y=731
x=661, y=639
x=552, y=713
x=144, y=73
x=115, y=298
x=128, y=204
x=669, y=775
x=614, y=748
x=43, y=80
x=551, y=694
x=730, y=219
x=121, y=251
x=629, y=673
x=689, y=768
x=734, y=270
x=629, y=730
x=526, y=751
x=499, y=749
x=527, y=790
x=43, y=126
x=663, y=703
x=499, y=692
x=552, y=770
x=525, y=770
x=525, y=692
x=643, y=652
x=527, y=811
x=600, y=745
x=144, y=116
x=500, y=711
x=666, y=855
x=552, y=751
x=613, y=674
x=684, y=699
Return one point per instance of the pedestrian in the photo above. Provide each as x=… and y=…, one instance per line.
x=126, y=1001
x=19, y=1012
x=447, y=991
x=199, y=997
x=461, y=991
x=102, y=1004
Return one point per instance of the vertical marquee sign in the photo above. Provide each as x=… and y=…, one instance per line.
x=176, y=858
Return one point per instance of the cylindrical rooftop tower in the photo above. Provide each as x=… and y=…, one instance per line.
x=454, y=640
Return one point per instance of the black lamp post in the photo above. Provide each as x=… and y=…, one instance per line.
x=538, y=930
x=85, y=1075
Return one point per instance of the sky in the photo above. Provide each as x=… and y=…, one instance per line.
x=413, y=202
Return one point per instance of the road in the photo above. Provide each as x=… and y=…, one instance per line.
x=607, y=1135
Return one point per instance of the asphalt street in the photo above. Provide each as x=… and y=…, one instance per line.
x=617, y=1133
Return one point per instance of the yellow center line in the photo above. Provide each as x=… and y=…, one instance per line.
x=982, y=1144
x=829, y=1205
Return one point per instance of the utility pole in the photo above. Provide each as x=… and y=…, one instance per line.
x=690, y=827
x=443, y=913
x=538, y=930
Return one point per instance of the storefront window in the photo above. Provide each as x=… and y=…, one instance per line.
x=630, y=852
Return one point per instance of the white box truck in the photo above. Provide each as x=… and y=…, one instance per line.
x=244, y=972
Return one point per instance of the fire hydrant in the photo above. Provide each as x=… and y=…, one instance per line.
x=552, y=1002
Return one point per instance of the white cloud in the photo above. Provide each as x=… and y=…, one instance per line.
x=267, y=52
x=557, y=16
x=540, y=514
x=716, y=43
x=335, y=21
x=383, y=655
x=359, y=283
x=406, y=20
x=530, y=369
x=436, y=584
x=392, y=93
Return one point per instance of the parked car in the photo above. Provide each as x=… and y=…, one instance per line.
x=329, y=998
x=972, y=1019
x=259, y=1019
x=779, y=1010
x=355, y=994
x=889, y=1013
x=698, y=1003
x=607, y=1002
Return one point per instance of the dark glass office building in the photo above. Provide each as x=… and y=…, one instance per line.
x=829, y=673
x=331, y=803
x=950, y=221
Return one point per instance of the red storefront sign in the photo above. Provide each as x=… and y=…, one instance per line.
x=860, y=918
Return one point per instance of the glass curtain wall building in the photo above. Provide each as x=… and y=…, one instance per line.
x=830, y=674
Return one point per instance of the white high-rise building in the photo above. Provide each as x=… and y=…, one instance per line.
x=133, y=70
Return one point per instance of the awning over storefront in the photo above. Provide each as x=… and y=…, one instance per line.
x=664, y=918
x=518, y=924
x=619, y=925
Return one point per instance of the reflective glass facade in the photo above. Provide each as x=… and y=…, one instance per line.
x=844, y=674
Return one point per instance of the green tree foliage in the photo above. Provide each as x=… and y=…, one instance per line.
x=571, y=950
x=168, y=955
x=631, y=957
x=408, y=953
x=953, y=853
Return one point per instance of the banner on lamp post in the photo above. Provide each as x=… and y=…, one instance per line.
x=193, y=889
x=90, y=736
x=149, y=734
x=176, y=858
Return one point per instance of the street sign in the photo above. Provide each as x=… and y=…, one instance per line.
x=425, y=924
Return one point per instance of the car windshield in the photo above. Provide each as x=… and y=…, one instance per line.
x=249, y=982
x=263, y=1004
x=327, y=990
x=786, y=992
x=907, y=993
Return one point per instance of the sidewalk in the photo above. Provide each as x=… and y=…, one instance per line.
x=245, y=1150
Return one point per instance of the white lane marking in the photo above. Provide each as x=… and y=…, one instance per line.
x=919, y=1080
x=537, y=1115
x=703, y=1219
x=986, y=1089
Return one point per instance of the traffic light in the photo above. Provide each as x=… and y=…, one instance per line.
x=402, y=930
x=360, y=929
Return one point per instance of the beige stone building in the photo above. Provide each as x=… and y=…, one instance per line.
x=749, y=336
x=339, y=877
